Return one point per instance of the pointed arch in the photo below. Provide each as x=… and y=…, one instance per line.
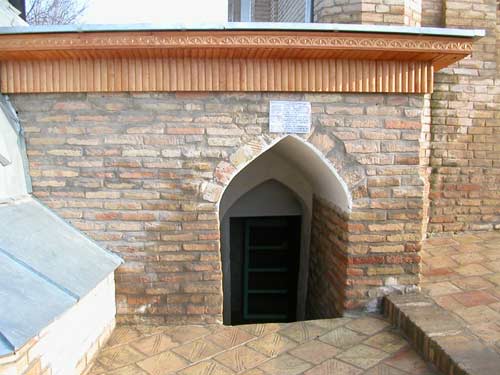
x=324, y=179
x=287, y=164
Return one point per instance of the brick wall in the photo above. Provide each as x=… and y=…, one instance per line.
x=330, y=11
x=328, y=266
x=465, y=153
x=392, y=12
x=142, y=175
x=432, y=13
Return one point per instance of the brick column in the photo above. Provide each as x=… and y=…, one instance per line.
x=466, y=127
x=382, y=12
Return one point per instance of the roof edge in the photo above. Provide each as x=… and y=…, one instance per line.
x=248, y=26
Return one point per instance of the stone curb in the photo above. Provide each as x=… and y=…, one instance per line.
x=440, y=337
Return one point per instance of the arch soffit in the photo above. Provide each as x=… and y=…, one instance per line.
x=324, y=178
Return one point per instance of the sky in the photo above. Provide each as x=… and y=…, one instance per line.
x=155, y=11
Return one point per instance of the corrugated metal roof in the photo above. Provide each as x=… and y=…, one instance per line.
x=242, y=26
x=46, y=266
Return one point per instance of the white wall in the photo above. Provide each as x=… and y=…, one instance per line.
x=64, y=342
x=14, y=179
x=68, y=344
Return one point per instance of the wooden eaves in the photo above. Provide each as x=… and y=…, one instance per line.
x=225, y=60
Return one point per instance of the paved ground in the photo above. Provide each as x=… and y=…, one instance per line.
x=364, y=345
x=462, y=275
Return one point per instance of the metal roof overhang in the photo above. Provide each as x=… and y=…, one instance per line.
x=46, y=267
x=230, y=57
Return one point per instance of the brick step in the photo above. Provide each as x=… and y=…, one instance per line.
x=440, y=337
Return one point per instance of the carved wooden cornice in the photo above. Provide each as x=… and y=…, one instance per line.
x=234, y=40
x=224, y=61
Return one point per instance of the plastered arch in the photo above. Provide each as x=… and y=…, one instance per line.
x=326, y=182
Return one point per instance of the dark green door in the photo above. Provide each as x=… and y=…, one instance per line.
x=269, y=268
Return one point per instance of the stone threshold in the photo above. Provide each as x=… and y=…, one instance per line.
x=440, y=337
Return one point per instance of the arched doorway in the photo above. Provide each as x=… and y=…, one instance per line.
x=268, y=207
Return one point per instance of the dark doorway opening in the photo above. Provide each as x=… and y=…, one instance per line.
x=266, y=251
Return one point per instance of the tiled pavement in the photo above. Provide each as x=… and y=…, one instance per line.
x=347, y=346
x=462, y=275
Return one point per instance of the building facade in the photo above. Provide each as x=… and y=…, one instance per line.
x=168, y=159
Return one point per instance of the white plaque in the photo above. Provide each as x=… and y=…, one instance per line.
x=289, y=117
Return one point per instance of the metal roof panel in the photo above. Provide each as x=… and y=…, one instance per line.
x=44, y=242
x=28, y=303
x=242, y=26
x=46, y=266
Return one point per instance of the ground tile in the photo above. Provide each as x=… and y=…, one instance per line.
x=363, y=356
x=262, y=329
x=97, y=368
x=128, y=370
x=254, y=371
x=472, y=283
x=478, y=314
x=448, y=302
x=384, y=370
x=468, y=258
x=241, y=358
x=209, y=367
x=163, y=363
x=342, y=338
x=472, y=270
x=330, y=323
x=409, y=361
x=229, y=337
x=154, y=344
x=273, y=344
x=334, y=367
x=495, y=278
x=475, y=298
x=494, y=266
x=368, y=325
x=488, y=235
x=492, y=253
x=439, y=274
x=123, y=335
x=442, y=250
x=489, y=332
x=146, y=330
x=441, y=241
x=439, y=289
x=495, y=306
x=182, y=334
x=197, y=350
x=387, y=341
x=467, y=239
x=495, y=291
x=303, y=331
x=314, y=351
x=285, y=364
x=119, y=356
x=440, y=261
